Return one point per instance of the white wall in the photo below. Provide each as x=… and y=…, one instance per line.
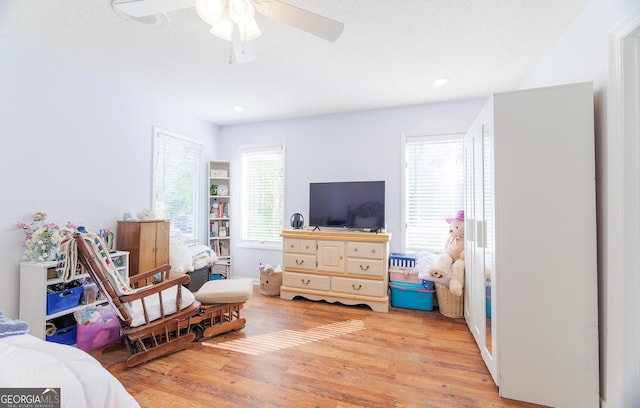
x=347, y=147
x=582, y=54
x=75, y=146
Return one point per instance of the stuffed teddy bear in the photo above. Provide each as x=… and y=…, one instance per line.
x=453, y=256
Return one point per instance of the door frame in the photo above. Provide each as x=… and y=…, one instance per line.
x=620, y=337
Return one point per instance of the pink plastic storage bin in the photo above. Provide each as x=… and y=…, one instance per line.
x=104, y=331
x=407, y=275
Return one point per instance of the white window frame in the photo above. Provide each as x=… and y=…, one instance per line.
x=198, y=182
x=445, y=135
x=245, y=152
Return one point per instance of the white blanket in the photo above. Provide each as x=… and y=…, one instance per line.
x=152, y=303
x=424, y=262
x=28, y=362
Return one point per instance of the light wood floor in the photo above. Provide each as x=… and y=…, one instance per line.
x=404, y=358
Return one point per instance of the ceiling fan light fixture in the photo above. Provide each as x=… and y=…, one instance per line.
x=210, y=10
x=223, y=28
x=249, y=31
x=241, y=11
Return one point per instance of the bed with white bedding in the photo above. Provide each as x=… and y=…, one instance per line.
x=28, y=362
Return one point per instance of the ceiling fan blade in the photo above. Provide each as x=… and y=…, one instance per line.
x=142, y=8
x=305, y=20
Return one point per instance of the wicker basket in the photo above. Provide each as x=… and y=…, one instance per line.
x=270, y=283
x=450, y=304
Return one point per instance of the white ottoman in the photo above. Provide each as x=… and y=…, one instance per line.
x=225, y=291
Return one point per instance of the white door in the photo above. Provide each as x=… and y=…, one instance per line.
x=478, y=235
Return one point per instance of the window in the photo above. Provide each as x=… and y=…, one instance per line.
x=263, y=195
x=434, y=189
x=177, y=182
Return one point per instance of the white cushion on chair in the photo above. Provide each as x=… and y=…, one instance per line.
x=152, y=303
x=225, y=291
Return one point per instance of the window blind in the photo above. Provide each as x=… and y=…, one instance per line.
x=434, y=189
x=177, y=183
x=263, y=194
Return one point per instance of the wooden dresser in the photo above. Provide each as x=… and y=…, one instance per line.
x=147, y=243
x=337, y=266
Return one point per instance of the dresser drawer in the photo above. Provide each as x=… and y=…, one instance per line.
x=363, y=287
x=366, y=267
x=370, y=250
x=301, y=280
x=300, y=261
x=301, y=246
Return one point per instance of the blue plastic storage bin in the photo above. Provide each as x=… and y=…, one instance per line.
x=65, y=335
x=411, y=296
x=63, y=300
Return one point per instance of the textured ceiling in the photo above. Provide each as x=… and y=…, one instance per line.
x=388, y=55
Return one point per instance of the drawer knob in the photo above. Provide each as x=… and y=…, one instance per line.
x=305, y=281
x=364, y=268
x=299, y=262
x=356, y=287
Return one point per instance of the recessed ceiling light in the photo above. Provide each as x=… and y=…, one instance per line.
x=238, y=108
x=440, y=81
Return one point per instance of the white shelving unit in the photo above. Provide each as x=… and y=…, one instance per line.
x=35, y=277
x=219, y=223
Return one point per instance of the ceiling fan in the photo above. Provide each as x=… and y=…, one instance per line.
x=233, y=20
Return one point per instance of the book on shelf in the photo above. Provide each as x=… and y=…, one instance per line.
x=219, y=209
x=221, y=267
x=218, y=173
x=224, y=248
x=223, y=230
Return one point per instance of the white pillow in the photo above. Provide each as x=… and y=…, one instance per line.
x=179, y=258
x=153, y=305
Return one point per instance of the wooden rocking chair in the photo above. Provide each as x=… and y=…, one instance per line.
x=151, y=335
x=155, y=320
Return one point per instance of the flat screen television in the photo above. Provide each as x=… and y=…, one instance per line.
x=347, y=204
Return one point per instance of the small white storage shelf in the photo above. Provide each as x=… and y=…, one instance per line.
x=219, y=223
x=34, y=281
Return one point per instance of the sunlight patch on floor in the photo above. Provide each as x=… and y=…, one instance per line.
x=282, y=339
